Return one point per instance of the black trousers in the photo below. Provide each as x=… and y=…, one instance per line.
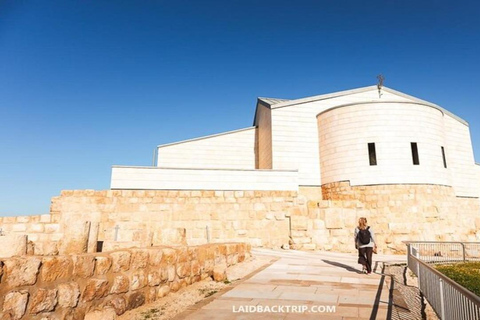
x=365, y=257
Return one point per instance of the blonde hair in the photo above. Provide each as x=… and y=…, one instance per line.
x=362, y=223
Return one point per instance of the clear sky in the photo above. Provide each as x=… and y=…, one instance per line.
x=85, y=85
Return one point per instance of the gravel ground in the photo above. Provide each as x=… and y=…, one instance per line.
x=408, y=302
x=177, y=302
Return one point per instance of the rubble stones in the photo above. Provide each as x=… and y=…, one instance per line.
x=121, y=261
x=83, y=265
x=95, y=289
x=15, y=304
x=102, y=265
x=68, y=294
x=21, y=271
x=120, y=284
x=43, y=301
x=102, y=286
x=55, y=268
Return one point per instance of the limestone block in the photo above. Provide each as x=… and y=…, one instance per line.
x=120, y=261
x=400, y=228
x=21, y=271
x=68, y=294
x=36, y=227
x=45, y=218
x=220, y=272
x=319, y=224
x=163, y=291
x=76, y=235
x=121, y=284
x=95, y=289
x=154, y=278
x=171, y=272
x=334, y=219
x=13, y=245
x=19, y=227
x=259, y=206
x=46, y=248
x=309, y=246
x=232, y=259
x=169, y=256
x=139, y=259
x=83, y=265
x=477, y=223
x=155, y=257
x=138, y=280
x=195, y=268
x=280, y=216
x=135, y=300
x=183, y=269
x=175, y=286
x=302, y=240
x=119, y=304
x=105, y=314
x=102, y=264
x=43, y=300
x=15, y=304
x=54, y=268
x=299, y=222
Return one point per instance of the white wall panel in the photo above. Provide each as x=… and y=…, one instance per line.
x=345, y=132
x=295, y=142
x=154, y=178
x=234, y=150
x=460, y=159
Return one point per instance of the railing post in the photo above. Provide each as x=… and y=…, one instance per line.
x=408, y=255
x=417, y=255
x=463, y=248
x=442, y=302
x=208, y=234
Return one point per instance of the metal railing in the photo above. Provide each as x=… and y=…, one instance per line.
x=450, y=300
x=446, y=252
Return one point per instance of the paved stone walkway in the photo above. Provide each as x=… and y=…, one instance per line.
x=310, y=284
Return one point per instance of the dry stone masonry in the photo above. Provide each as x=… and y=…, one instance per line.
x=102, y=285
x=311, y=219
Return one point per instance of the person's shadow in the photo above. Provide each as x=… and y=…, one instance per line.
x=344, y=266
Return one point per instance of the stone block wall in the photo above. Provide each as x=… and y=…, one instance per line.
x=313, y=218
x=396, y=212
x=148, y=217
x=105, y=284
x=42, y=231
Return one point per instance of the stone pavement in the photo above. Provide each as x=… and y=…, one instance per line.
x=304, y=285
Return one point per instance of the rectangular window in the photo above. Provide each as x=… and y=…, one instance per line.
x=372, y=155
x=444, y=159
x=416, y=160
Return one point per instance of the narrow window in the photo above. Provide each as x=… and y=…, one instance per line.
x=444, y=159
x=372, y=155
x=415, y=159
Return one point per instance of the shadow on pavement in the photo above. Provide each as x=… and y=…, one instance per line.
x=341, y=265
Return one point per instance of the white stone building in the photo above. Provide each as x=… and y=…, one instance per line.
x=366, y=136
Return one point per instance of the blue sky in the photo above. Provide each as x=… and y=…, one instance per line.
x=85, y=85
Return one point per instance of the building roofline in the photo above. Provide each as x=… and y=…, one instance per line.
x=204, y=137
x=360, y=90
x=206, y=169
x=420, y=102
x=427, y=103
x=322, y=97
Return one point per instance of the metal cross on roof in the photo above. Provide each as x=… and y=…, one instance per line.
x=380, y=78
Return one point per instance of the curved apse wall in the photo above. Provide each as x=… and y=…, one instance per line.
x=346, y=131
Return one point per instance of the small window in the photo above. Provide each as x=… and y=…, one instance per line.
x=372, y=155
x=444, y=159
x=416, y=160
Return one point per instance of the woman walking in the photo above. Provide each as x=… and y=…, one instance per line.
x=365, y=243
